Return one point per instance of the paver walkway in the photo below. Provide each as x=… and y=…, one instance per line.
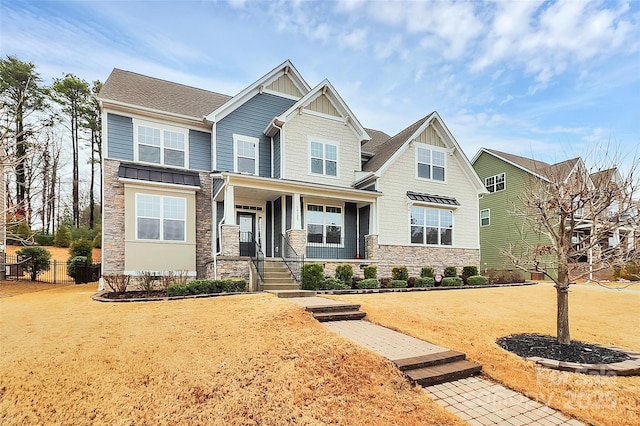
x=476, y=400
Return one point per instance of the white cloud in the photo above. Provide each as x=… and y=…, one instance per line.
x=349, y=5
x=393, y=46
x=356, y=39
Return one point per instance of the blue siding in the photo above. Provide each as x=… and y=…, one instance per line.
x=120, y=134
x=250, y=119
x=277, y=227
x=199, y=150
x=276, y=156
x=364, y=228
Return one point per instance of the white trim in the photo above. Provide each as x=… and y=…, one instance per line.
x=171, y=187
x=161, y=219
x=214, y=141
x=317, y=202
x=418, y=146
x=480, y=217
x=495, y=183
x=516, y=165
x=151, y=110
x=256, y=142
x=282, y=95
x=128, y=272
x=324, y=142
x=424, y=244
x=162, y=127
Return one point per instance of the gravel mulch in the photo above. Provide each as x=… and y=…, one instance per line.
x=534, y=345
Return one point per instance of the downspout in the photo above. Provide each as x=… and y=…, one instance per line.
x=219, y=234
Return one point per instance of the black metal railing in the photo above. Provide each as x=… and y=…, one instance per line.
x=347, y=248
x=293, y=260
x=19, y=268
x=250, y=247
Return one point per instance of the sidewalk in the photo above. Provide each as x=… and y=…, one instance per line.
x=476, y=400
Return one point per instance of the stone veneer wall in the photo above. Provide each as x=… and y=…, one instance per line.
x=298, y=240
x=204, y=222
x=113, y=210
x=230, y=267
x=230, y=240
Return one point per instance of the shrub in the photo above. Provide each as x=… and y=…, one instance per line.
x=452, y=281
x=450, y=271
x=145, y=281
x=72, y=264
x=43, y=239
x=398, y=284
x=385, y=282
x=477, y=280
x=425, y=282
x=177, y=290
x=470, y=271
x=411, y=282
x=334, y=284
x=344, y=273
x=427, y=271
x=82, y=247
x=97, y=240
x=370, y=272
x=118, y=283
x=21, y=233
x=355, y=281
x=207, y=287
x=631, y=271
x=369, y=283
x=312, y=276
x=38, y=260
x=62, y=237
x=400, y=273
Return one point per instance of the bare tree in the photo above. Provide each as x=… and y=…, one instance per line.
x=94, y=125
x=575, y=213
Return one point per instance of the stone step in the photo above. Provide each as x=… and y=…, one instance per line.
x=428, y=376
x=429, y=360
x=292, y=293
x=277, y=275
x=339, y=315
x=280, y=286
x=269, y=278
x=332, y=308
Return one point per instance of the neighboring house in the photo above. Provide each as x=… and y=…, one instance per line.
x=507, y=177
x=3, y=214
x=206, y=183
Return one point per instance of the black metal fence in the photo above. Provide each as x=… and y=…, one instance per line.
x=18, y=268
x=346, y=249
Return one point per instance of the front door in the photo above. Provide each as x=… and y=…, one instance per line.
x=247, y=222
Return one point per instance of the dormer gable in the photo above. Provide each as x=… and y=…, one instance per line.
x=284, y=80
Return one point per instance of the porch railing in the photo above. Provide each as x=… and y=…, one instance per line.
x=346, y=249
x=293, y=260
x=249, y=246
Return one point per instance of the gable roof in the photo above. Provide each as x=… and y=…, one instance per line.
x=285, y=68
x=384, y=151
x=550, y=172
x=126, y=88
x=378, y=137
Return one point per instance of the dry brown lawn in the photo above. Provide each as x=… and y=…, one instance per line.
x=238, y=360
x=471, y=320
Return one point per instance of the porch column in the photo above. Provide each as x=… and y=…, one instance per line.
x=296, y=217
x=373, y=218
x=229, y=206
x=230, y=240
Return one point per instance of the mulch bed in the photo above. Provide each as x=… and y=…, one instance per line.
x=135, y=294
x=535, y=345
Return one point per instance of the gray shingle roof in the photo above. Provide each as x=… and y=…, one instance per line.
x=158, y=174
x=436, y=199
x=140, y=90
x=378, y=137
x=553, y=172
x=386, y=149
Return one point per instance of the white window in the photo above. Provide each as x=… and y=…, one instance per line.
x=485, y=217
x=324, y=224
x=160, y=144
x=431, y=163
x=323, y=157
x=495, y=183
x=160, y=218
x=246, y=154
x=431, y=226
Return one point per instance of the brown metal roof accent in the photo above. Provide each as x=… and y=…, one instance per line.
x=386, y=149
x=148, y=92
x=436, y=199
x=158, y=174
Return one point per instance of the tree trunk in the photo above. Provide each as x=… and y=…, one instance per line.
x=563, y=336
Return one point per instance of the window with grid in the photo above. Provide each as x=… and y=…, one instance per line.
x=431, y=163
x=324, y=224
x=431, y=226
x=161, y=146
x=324, y=158
x=485, y=217
x=495, y=183
x=160, y=218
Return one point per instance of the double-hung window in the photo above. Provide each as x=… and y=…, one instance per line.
x=324, y=224
x=323, y=158
x=160, y=218
x=431, y=226
x=431, y=163
x=485, y=217
x=495, y=183
x=160, y=144
x=246, y=154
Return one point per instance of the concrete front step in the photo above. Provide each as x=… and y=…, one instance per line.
x=339, y=315
x=332, y=308
x=429, y=360
x=285, y=294
x=436, y=374
x=280, y=286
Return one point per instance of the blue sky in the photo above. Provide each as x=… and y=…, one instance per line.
x=544, y=79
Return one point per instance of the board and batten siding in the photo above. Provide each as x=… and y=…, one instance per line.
x=297, y=133
x=394, y=210
x=505, y=228
x=120, y=134
x=250, y=119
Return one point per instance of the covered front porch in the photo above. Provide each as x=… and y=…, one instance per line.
x=275, y=218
